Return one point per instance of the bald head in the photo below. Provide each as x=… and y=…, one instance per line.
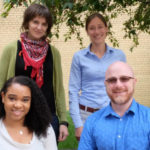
x=120, y=84
x=119, y=69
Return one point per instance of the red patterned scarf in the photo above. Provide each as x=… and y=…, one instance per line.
x=34, y=54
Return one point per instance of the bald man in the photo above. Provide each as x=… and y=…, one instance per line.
x=124, y=124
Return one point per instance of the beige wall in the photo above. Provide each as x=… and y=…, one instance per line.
x=138, y=59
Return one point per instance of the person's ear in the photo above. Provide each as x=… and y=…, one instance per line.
x=135, y=80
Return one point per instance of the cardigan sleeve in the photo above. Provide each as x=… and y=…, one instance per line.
x=59, y=92
x=7, y=62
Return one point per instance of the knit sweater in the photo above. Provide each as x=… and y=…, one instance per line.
x=7, y=70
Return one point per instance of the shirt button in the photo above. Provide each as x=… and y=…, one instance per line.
x=119, y=136
x=120, y=119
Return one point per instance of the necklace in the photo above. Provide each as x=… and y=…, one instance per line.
x=21, y=132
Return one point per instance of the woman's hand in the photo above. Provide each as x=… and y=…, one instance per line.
x=63, y=133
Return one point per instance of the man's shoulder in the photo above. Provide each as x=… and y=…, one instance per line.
x=143, y=111
x=143, y=108
x=98, y=115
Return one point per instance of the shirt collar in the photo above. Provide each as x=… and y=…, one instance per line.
x=110, y=112
x=108, y=49
x=133, y=107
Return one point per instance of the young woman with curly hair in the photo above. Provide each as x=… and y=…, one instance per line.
x=25, y=117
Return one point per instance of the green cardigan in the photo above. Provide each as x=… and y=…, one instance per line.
x=7, y=70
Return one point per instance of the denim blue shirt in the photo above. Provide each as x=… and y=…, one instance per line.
x=105, y=130
x=87, y=75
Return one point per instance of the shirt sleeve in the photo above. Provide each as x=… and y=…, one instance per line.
x=59, y=91
x=122, y=56
x=50, y=140
x=3, y=68
x=87, y=141
x=74, y=89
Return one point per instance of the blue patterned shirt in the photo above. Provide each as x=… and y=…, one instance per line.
x=87, y=75
x=105, y=130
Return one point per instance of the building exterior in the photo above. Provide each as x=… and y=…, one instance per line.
x=139, y=59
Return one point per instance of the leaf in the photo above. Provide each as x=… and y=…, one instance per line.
x=73, y=13
x=68, y=5
x=25, y=3
x=6, y=1
x=4, y=14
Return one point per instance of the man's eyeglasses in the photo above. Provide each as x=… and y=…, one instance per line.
x=122, y=79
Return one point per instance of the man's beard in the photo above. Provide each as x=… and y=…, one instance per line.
x=121, y=99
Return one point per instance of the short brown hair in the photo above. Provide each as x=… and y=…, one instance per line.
x=91, y=17
x=35, y=10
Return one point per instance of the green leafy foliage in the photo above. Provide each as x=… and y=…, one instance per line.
x=74, y=12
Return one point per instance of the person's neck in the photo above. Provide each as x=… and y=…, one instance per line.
x=121, y=109
x=18, y=131
x=98, y=49
x=13, y=124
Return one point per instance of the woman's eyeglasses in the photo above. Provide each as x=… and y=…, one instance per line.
x=122, y=79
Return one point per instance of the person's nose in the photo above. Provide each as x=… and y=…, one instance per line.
x=18, y=104
x=118, y=83
x=39, y=26
x=97, y=31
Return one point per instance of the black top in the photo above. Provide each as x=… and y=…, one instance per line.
x=47, y=87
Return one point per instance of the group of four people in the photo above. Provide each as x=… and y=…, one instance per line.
x=27, y=112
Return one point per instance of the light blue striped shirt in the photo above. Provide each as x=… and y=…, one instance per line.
x=105, y=130
x=87, y=75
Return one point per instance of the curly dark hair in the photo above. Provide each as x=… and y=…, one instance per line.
x=35, y=10
x=38, y=118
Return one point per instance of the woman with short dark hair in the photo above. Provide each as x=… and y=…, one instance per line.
x=25, y=117
x=34, y=57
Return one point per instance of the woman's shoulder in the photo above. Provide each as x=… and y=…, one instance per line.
x=50, y=130
x=55, y=51
x=50, y=139
x=81, y=52
x=116, y=50
x=12, y=46
x=1, y=122
x=116, y=53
